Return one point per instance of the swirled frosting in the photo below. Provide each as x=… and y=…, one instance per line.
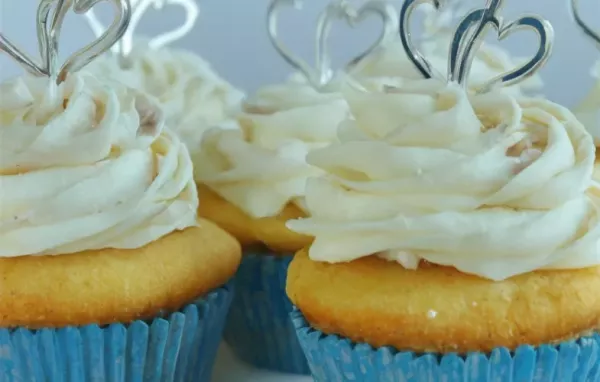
x=588, y=111
x=262, y=167
x=89, y=167
x=191, y=94
x=490, y=184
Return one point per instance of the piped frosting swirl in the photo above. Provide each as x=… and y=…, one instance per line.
x=90, y=168
x=490, y=184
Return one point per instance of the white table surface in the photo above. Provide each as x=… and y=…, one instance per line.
x=229, y=369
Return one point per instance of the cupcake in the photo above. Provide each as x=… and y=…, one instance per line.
x=106, y=271
x=193, y=96
x=390, y=60
x=251, y=181
x=455, y=238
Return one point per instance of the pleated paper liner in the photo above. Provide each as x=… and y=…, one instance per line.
x=258, y=329
x=181, y=347
x=332, y=358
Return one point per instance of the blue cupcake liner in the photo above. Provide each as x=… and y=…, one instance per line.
x=333, y=358
x=181, y=347
x=258, y=328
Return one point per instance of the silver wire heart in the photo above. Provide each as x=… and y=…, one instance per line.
x=462, y=53
x=124, y=47
x=22, y=58
x=50, y=17
x=323, y=74
x=468, y=37
x=102, y=44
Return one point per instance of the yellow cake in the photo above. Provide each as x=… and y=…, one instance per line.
x=439, y=309
x=270, y=231
x=116, y=285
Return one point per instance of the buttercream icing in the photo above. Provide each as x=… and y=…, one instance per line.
x=262, y=167
x=492, y=184
x=89, y=168
x=193, y=97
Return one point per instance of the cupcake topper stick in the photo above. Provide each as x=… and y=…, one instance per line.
x=469, y=36
x=322, y=75
x=50, y=17
x=21, y=58
x=139, y=7
x=387, y=13
x=582, y=24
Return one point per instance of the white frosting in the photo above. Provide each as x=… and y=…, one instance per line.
x=262, y=167
x=90, y=168
x=490, y=61
x=192, y=95
x=490, y=184
x=588, y=111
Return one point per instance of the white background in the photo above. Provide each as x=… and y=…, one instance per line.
x=231, y=35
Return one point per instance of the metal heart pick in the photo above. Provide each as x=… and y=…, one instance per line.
x=468, y=38
x=139, y=7
x=47, y=39
x=22, y=59
x=323, y=74
x=586, y=29
x=50, y=17
x=103, y=43
x=462, y=52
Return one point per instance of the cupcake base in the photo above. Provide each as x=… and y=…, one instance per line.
x=181, y=347
x=332, y=358
x=258, y=328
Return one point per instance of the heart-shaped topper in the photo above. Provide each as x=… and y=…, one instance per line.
x=586, y=29
x=321, y=75
x=50, y=17
x=469, y=36
x=124, y=47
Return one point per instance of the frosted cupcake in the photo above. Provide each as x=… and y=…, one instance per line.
x=456, y=238
x=116, y=221
x=252, y=180
x=106, y=272
x=193, y=96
